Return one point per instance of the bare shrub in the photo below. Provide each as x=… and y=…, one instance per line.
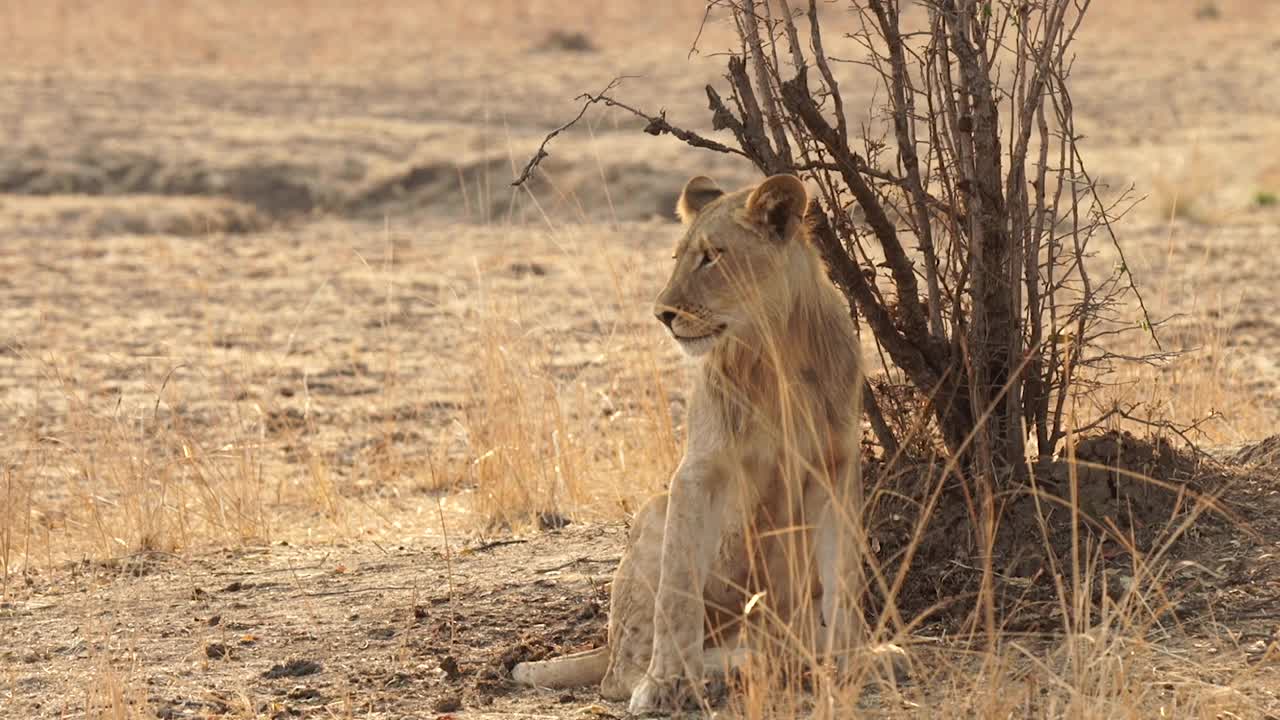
x=994, y=314
x=961, y=223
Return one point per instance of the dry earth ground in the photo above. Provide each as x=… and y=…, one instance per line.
x=282, y=355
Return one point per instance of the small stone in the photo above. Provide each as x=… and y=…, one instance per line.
x=449, y=665
x=293, y=668
x=552, y=520
x=303, y=693
x=448, y=703
x=215, y=651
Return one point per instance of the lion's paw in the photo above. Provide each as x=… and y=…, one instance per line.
x=522, y=674
x=893, y=662
x=661, y=697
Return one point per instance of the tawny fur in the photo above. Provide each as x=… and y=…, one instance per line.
x=767, y=497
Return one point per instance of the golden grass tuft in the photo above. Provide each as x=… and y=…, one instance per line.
x=587, y=433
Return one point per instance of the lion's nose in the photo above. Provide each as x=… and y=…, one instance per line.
x=666, y=317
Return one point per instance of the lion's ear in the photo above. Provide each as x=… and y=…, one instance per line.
x=696, y=194
x=778, y=204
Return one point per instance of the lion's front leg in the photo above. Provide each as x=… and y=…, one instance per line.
x=635, y=586
x=838, y=546
x=840, y=574
x=691, y=539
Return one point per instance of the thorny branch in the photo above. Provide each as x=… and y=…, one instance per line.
x=657, y=125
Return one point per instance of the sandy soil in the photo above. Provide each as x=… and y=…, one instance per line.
x=429, y=630
x=261, y=272
x=283, y=631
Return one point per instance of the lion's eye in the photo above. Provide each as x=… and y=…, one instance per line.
x=709, y=258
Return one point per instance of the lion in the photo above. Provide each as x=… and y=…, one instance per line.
x=763, y=513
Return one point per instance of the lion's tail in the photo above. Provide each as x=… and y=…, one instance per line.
x=576, y=670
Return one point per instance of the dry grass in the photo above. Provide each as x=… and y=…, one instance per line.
x=214, y=424
x=564, y=410
x=561, y=423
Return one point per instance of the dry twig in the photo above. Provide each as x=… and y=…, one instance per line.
x=657, y=125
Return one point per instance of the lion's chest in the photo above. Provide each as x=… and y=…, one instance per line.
x=772, y=477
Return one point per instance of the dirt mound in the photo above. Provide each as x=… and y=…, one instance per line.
x=442, y=171
x=467, y=186
x=572, y=41
x=567, y=187
x=1133, y=493
x=1264, y=454
x=272, y=186
x=474, y=189
x=93, y=216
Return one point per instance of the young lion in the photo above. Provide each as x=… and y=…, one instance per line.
x=769, y=490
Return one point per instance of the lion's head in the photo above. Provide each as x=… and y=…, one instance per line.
x=736, y=263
